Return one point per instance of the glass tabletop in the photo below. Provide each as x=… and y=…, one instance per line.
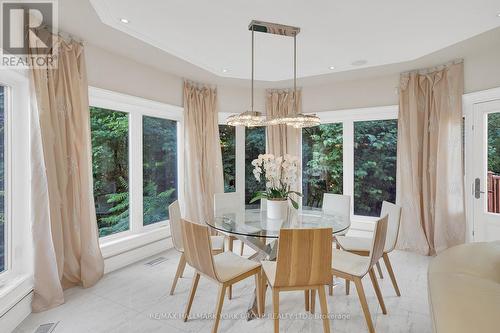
x=255, y=223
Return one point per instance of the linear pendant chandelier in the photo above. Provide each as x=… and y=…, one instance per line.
x=254, y=118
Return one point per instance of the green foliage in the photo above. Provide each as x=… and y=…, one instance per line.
x=322, y=159
x=494, y=142
x=375, y=144
x=227, y=136
x=255, y=144
x=110, y=168
x=375, y=149
x=159, y=168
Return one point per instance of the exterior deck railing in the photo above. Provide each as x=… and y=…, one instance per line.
x=493, y=192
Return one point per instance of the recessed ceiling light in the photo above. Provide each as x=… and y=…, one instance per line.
x=224, y=70
x=331, y=68
x=359, y=62
x=124, y=20
x=498, y=14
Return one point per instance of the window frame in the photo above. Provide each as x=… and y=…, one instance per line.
x=16, y=281
x=348, y=117
x=136, y=108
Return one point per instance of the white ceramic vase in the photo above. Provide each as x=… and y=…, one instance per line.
x=277, y=209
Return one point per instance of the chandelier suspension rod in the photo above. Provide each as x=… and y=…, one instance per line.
x=295, y=72
x=253, y=51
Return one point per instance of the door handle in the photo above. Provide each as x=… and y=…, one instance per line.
x=477, y=188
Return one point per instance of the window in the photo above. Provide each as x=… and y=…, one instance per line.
x=228, y=146
x=322, y=163
x=255, y=144
x=353, y=152
x=16, y=249
x=159, y=168
x=136, y=163
x=493, y=162
x=110, y=168
x=375, y=147
x=3, y=234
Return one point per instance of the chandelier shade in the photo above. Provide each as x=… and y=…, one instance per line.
x=254, y=118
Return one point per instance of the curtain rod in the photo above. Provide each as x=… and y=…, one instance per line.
x=67, y=37
x=200, y=85
x=434, y=68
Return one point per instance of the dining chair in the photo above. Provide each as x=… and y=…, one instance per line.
x=353, y=267
x=174, y=212
x=225, y=203
x=225, y=268
x=303, y=263
x=339, y=205
x=361, y=246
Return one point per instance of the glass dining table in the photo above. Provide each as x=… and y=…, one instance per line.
x=257, y=231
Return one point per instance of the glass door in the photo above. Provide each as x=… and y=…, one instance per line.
x=486, y=170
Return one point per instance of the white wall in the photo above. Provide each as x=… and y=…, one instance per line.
x=116, y=73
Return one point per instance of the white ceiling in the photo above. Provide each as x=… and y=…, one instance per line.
x=214, y=35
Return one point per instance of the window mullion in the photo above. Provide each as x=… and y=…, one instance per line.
x=240, y=160
x=348, y=164
x=136, y=172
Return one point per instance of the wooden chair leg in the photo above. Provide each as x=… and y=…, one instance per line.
x=178, y=273
x=183, y=266
x=263, y=290
x=391, y=273
x=330, y=287
x=364, y=304
x=218, y=307
x=229, y=292
x=312, y=306
x=241, y=248
x=258, y=296
x=194, y=285
x=324, y=309
x=377, y=290
x=230, y=242
x=347, y=286
x=379, y=269
x=276, y=310
x=307, y=297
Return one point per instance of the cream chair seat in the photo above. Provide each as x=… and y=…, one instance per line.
x=350, y=263
x=354, y=243
x=174, y=211
x=353, y=267
x=231, y=202
x=339, y=205
x=229, y=265
x=361, y=246
x=217, y=242
x=224, y=269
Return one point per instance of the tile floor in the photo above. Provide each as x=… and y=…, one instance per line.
x=135, y=299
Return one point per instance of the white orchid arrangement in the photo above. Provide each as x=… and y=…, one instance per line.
x=280, y=175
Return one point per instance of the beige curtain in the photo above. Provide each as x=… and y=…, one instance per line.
x=430, y=167
x=282, y=139
x=66, y=243
x=203, y=160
